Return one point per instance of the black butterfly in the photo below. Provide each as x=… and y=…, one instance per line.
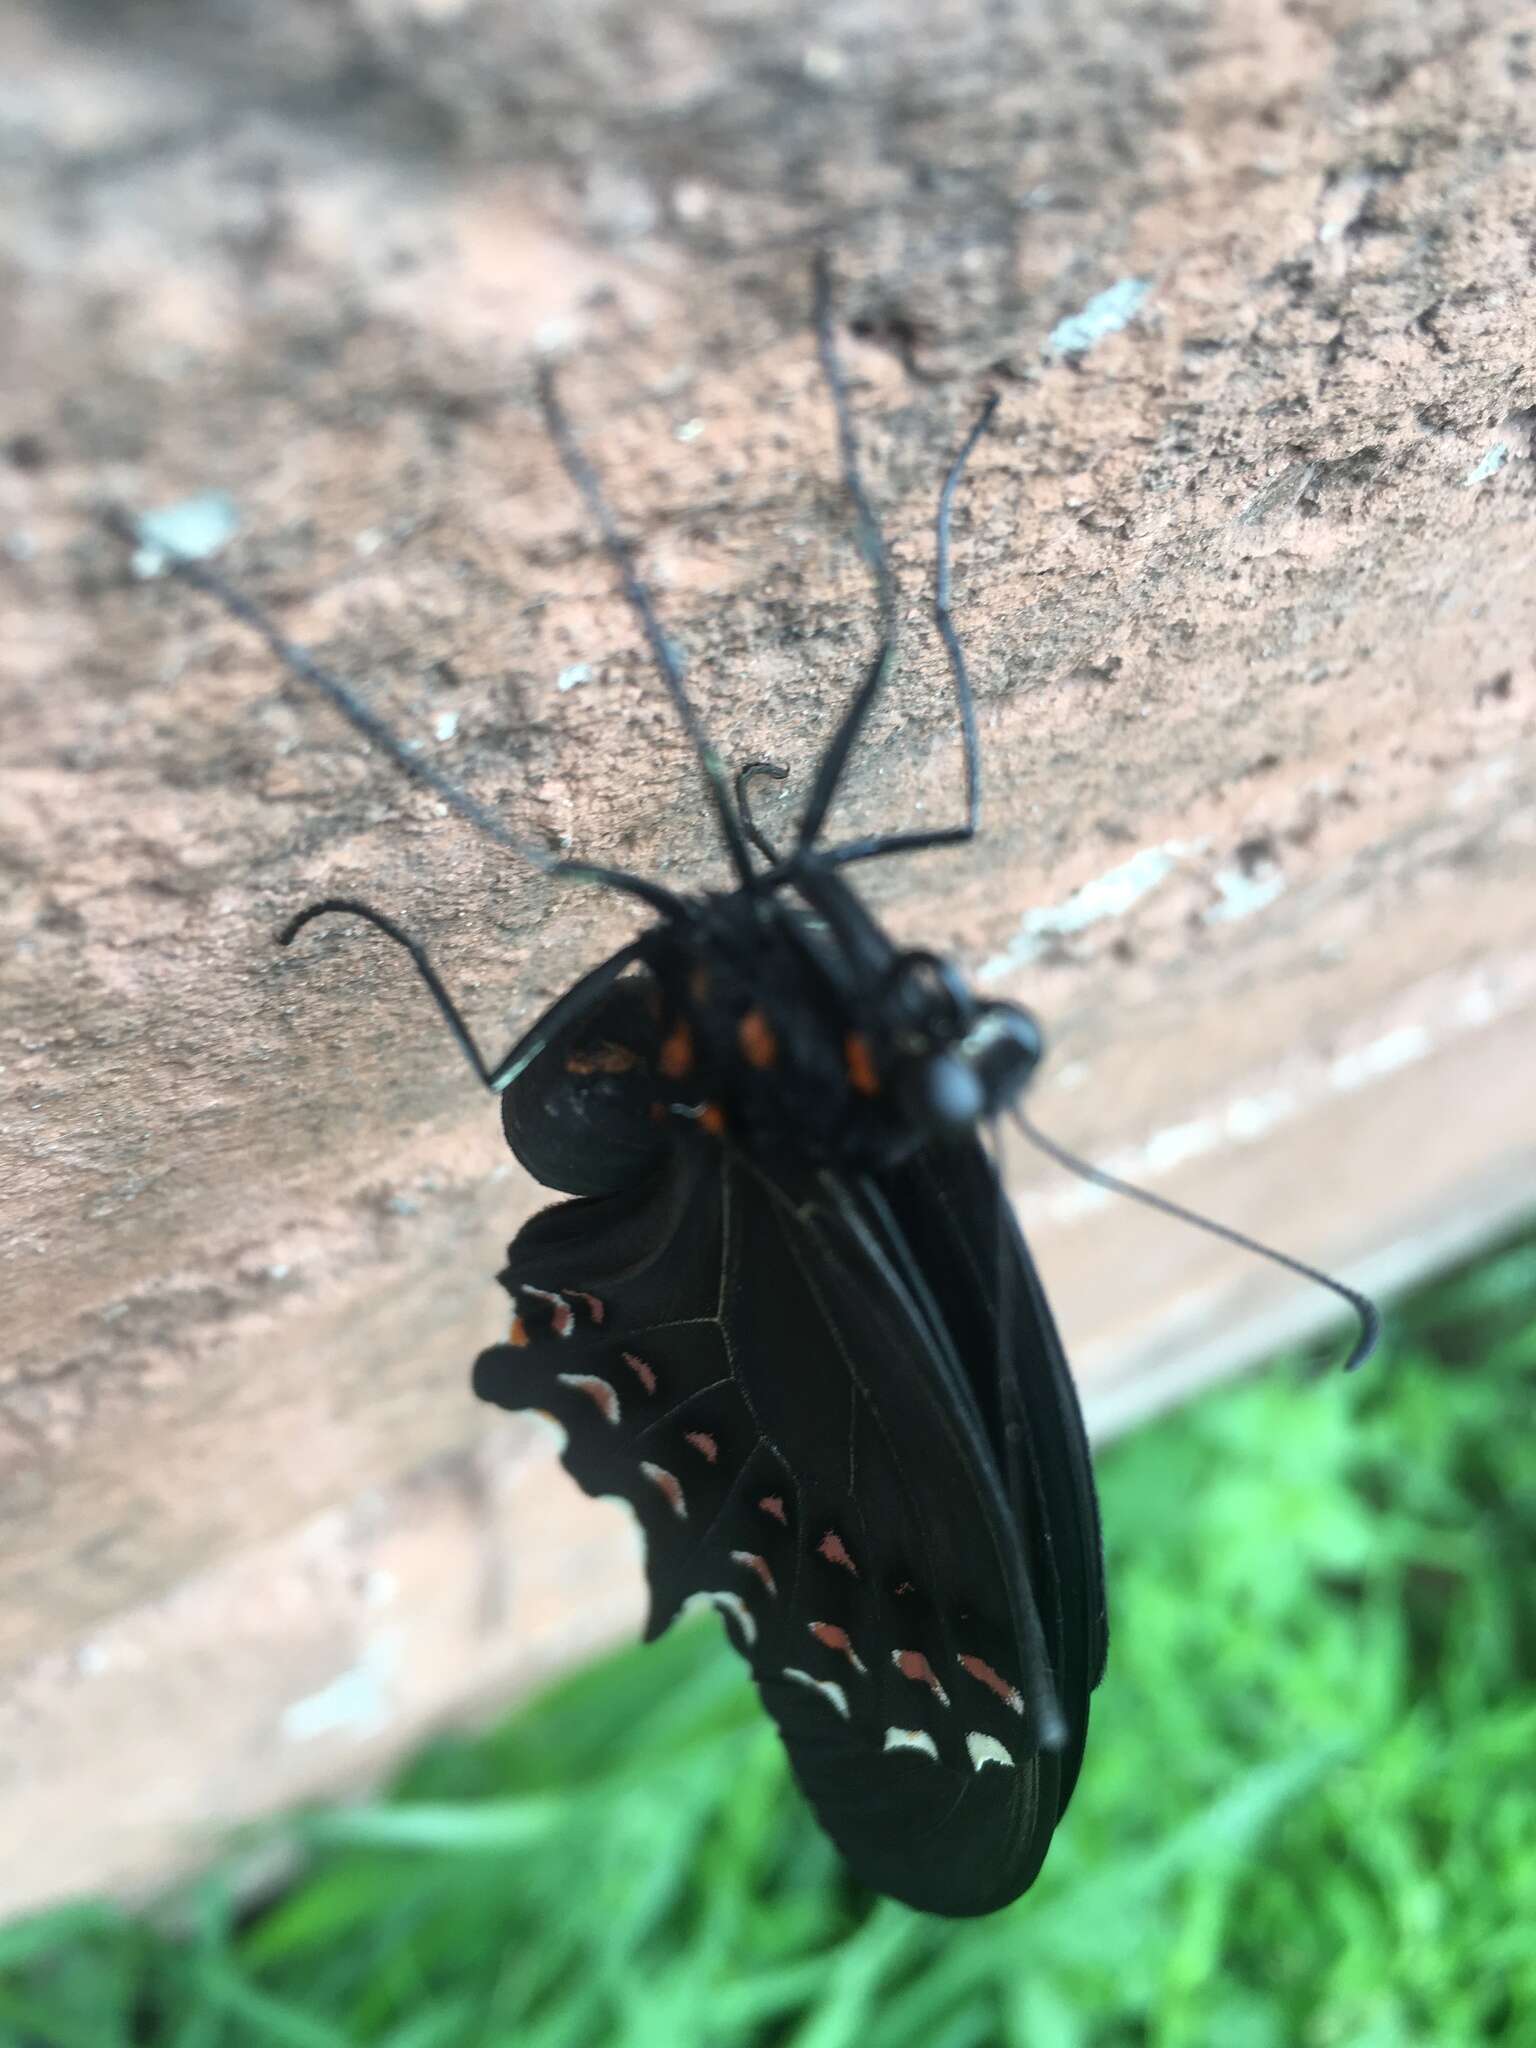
x=788, y=1315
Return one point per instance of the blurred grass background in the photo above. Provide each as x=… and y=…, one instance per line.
x=1308, y=1814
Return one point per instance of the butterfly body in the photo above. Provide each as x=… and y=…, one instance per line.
x=794, y=1325
x=797, y=1026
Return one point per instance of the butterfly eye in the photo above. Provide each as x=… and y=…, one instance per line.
x=1002, y=1049
x=941, y=1094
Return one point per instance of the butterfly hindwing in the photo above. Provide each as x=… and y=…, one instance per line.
x=759, y=1365
x=1003, y=1330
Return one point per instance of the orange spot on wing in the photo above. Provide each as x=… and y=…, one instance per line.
x=755, y=1036
x=562, y=1317
x=704, y=1444
x=771, y=1504
x=641, y=1371
x=669, y=1487
x=518, y=1334
x=712, y=1120
x=676, y=1056
x=835, y=1551
x=860, y=1062
x=597, y=1391
x=602, y=1059
x=914, y=1665
x=836, y=1638
x=1007, y=1693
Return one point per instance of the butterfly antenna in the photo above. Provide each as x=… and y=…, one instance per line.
x=945, y=835
x=871, y=539
x=584, y=477
x=1365, y=1309
x=299, y=662
x=946, y=625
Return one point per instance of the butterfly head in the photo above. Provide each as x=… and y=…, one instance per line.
x=953, y=1061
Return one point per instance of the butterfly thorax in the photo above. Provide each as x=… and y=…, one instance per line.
x=797, y=1026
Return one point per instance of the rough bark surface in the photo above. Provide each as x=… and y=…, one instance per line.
x=1244, y=574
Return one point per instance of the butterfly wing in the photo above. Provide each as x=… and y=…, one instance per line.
x=961, y=1230
x=767, y=1369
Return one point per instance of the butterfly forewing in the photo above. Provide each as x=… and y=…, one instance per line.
x=760, y=1364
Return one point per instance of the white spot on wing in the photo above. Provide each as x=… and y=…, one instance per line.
x=733, y=1606
x=986, y=1749
x=912, y=1738
x=756, y=1563
x=597, y=1390
x=563, y=1321
x=667, y=1483
x=833, y=1691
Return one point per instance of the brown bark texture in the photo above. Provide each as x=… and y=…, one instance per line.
x=1244, y=573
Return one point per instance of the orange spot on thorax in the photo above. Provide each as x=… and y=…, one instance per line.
x=676, y=1057
x=860, y=1062
x=756, y=1038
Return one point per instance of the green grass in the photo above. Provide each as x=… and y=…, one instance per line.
x=1308, y=1815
